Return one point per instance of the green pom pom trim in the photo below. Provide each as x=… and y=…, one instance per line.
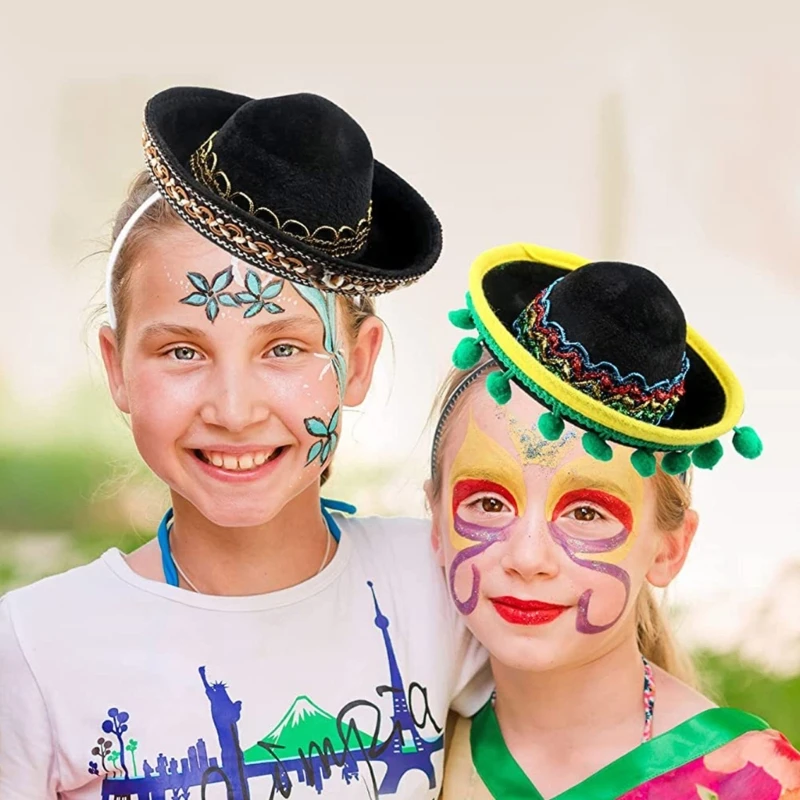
x=462, y=319
x=551, y=426
x=676, y=462
x=498, y=384
x=747, y=443
x=468, y=353
x=707, y=456
x=644, y=462
x=597, y=447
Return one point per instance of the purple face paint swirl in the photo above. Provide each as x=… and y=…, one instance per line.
x=572, y=545
x=485, y=537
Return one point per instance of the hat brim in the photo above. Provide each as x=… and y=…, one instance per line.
x=504, y=280
x=405, y=237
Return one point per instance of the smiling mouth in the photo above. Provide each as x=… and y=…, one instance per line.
x=241, y=462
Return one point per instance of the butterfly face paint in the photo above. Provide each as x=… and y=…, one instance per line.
x=481, y=467
x=591, y=513
x=542, y=528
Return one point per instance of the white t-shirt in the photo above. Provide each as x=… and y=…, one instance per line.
x=114, y=686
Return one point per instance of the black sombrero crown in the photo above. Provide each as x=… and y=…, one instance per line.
x=289, y=184
x=606, y=346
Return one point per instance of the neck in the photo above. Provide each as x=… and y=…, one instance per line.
x=573, y=706
x=275, y=555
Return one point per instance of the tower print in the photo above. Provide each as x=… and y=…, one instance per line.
x=308, y=747
x=410, y=749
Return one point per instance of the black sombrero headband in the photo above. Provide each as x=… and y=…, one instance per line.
x=604, y=345
x=289, y=185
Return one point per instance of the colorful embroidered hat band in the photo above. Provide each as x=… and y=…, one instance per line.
x=527, y=303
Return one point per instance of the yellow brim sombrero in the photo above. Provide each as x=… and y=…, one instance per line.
x=504, y=281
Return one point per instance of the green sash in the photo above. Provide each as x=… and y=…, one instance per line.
x=697, y=737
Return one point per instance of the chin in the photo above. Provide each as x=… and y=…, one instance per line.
x=537, y=648
x=525, y=654
x=227, y=508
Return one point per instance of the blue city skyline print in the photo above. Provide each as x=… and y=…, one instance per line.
x=308, y=747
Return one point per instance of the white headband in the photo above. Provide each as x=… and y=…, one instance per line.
x=115, y=250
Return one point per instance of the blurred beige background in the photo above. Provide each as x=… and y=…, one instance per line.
x=667, y=134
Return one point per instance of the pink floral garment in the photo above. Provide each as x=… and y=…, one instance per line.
x=758, y=765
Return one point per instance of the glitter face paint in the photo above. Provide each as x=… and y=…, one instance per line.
x=587, y=483
x=484, y=536
x=481, y=465
x=531, y=446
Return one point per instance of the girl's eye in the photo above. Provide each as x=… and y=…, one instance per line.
x=491, y=505
x=284, y=350
x=585, y=514
x=184, y=353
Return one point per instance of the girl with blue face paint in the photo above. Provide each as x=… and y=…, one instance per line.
x=266, y=642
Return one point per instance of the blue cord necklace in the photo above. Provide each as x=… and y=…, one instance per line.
x=168, y=562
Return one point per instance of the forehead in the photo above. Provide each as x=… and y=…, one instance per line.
x=514, y=427
x=159, y=281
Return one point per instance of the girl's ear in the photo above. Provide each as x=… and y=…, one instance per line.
x=361, y=360
x=673, y=550
x=113, y=364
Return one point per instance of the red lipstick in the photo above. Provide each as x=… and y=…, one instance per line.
x=526, y=612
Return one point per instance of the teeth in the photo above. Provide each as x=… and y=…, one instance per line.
x=242, y=463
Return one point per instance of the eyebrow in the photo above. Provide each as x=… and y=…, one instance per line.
x=581, y=481
x=277, y=328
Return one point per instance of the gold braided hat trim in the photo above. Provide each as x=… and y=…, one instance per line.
x=342, y=241
x=256, y=247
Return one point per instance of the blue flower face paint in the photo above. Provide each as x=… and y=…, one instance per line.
x=259, y=297
x=233, y=379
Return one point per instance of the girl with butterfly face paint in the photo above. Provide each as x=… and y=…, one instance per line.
x=560, y=496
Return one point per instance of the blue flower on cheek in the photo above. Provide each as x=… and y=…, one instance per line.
x=258, y=297
x=327, y=435
x=211, y=295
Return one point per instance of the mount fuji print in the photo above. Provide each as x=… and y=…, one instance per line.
x=304, y=722
x=308, y=747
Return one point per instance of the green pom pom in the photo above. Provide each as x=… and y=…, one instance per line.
x=468, y=353
x=707, y=456
x=676, y=462
x=747, y=443
x=462, y=319
x=644, y=462
x=551, y=426
x=596, y=447
x=498, y=384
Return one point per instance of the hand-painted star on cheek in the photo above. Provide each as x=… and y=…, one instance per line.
x=485, y=535
x=568, y=536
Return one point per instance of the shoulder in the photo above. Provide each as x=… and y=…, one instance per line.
x=767, y=750
x=401, y=537
x=32, y=611
x=461, y=781
x=398, y=552
x=676, y=702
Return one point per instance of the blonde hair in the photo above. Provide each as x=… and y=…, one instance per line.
x=159, y=218
x=673, y=497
